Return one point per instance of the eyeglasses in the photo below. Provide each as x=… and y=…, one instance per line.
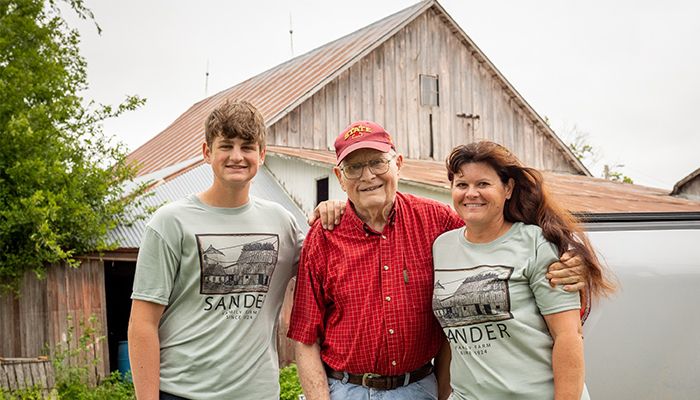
x=378, y=166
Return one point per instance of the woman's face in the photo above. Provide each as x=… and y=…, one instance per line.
x=479, y=195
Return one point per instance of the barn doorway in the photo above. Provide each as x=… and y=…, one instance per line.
x=119, y=279
x=321, y=190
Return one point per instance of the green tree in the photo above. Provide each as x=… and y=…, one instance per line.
x=579, y=144
x=61, y=176
x=611, y=173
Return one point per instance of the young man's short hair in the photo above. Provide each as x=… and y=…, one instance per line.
x=236, y=119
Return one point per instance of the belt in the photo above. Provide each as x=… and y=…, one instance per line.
x=382, y=382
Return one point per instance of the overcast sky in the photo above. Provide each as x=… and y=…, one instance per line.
x=625, y=72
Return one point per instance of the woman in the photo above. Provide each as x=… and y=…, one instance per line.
x=511, y=334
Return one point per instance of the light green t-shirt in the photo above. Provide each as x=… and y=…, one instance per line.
x=489, y=299
x=222, y=275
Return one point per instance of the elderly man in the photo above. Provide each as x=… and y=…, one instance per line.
x=362, y=316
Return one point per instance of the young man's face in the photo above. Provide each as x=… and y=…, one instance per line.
x=234, y=161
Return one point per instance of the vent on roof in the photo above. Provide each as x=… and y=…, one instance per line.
x=429, y=90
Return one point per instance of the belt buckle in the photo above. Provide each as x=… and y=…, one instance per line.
x=368, y=375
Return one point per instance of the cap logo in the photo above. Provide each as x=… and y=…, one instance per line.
x=357, y=131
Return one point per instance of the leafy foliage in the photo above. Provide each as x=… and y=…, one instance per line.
x=32, y=393
x=73, y=363
x=611, y=173
x=290, y=388
x=579, y=144
x=75, y=360
x=61, y=177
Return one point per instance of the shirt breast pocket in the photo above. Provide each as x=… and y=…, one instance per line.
x=418, y=279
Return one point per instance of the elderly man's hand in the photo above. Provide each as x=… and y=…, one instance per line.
x=330, y=212
x=568, y=271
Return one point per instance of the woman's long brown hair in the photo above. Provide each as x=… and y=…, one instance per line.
x=531, y=203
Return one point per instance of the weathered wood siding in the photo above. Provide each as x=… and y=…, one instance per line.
x=21, y=373
x=691, y=190
x=384, y=86
x=285, y=345
x=39, y=316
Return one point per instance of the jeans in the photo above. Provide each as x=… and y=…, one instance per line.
x=424, y=389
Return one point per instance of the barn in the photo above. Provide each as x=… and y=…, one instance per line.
x=416, y=72
x=688, y=187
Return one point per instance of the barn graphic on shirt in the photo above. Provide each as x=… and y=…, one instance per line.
x=472, y=295
x=236, y=263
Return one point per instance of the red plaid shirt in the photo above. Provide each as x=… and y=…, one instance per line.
x=367, y=296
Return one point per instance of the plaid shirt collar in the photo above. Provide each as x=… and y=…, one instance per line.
x=357, y=223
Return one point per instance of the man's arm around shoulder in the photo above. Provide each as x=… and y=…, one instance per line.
x=144, y=348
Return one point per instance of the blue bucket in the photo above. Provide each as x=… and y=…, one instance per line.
x=123, y=364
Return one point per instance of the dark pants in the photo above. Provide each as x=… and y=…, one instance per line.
x=168, y=396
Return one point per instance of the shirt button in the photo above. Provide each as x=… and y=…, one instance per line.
x=391, y=331
x=386, y=268
x=393, y=363
x=383, y=237
x=366, y=234
x=387, y=298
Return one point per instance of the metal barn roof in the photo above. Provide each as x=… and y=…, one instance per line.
x=577, y=193
x=196, y=180
x=281, y=89
x=274, y=92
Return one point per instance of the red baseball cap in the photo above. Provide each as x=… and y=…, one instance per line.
x=362, y=135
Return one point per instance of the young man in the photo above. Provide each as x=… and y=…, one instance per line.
x=211, y=276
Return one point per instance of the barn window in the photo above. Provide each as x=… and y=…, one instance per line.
x=321, y=190
x=429, y=90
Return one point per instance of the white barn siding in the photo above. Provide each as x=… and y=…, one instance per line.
x=298, y=178
x=442, y=196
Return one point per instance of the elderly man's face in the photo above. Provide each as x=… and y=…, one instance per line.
x=371, y=191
